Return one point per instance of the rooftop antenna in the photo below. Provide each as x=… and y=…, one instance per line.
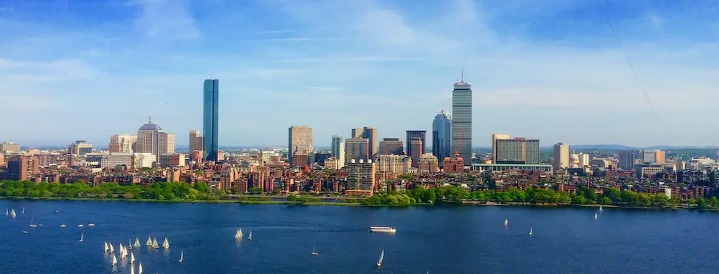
x=149, y=120
x=462, y=81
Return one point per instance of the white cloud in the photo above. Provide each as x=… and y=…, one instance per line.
x=166, y=20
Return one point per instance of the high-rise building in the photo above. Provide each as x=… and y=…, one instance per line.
x=356, y=149
x=369, y=134
x=428, y=163
x=9, y=147
x=390, y=165
x=716, y=155
x=462, y=121
x=391, y=146
x=210, y=114
x=197, y=142
x=517, y=151
x=152, y=139
x=442, y=135
x=416, y=150
x=411, y=134
x=654, y=157
x=561, y=156
x=627, y=159
x=22, y=167
x=361, y=175
x=338, y=150
x=299, y=141
x=79, y=147
x=495, y=137
x=122, y=143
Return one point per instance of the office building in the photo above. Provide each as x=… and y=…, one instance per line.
x=411, y=134
x=654, y=157
x=122, y=143
x=517, y=151
x=462, y=121
x=390, y=166
x=391, y=146
x=172, y=160
x=361, y=175
x=22, y=168
x=300, y=142
x=338, y=150
x=453, y=164
x=152, y=139
x=495, y=137
x=647, y=170
x=428, y=163
x=561, y=156
x=416, y=149
x=210, y=113
x=79, y=147
x=627, y=158
x=442, y=135
x=370, y=134
x=356, y=149
x=197, y=142
x=9, y=147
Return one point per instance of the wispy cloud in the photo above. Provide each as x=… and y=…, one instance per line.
x=166, y=20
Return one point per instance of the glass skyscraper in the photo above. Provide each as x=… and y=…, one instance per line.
x=462, y=121
x=441, y=136
x=209, y=118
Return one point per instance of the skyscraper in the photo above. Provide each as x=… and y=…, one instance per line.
x=417, y=149
x=390, y=146
x=152, y=139
x=196, y=141
x=300, y=141
x=561, y=156
x=441, y=135
x=122, y=143
x=369, y=134
x=495, y=137
x=338, y=149
x=517, y=151
x=462, y=121
x=210, y=118
x=627, y=159
x=411, y=134
x=356, y=149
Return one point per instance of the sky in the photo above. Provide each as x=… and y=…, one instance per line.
x=637, y=73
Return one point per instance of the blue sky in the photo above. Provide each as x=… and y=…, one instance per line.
x=551, y=70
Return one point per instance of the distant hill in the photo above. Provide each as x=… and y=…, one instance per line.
x=601, y=147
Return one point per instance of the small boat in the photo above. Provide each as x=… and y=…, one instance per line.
x=132, y=258
x=112, y=250
x=82, y=237
x=31, y=223
x=506, y=222
x=57, y=211
x=25, y=232
x=530, y=231
x=385, y=229
x=165, y=244
x=314, y=252
x=182, y=256
x=601, y=209
x=132, y=270
x=137, y=243
x=381, y=258
x=249, y=237
x=90, y=224
x=63, y=225
x=23, y=210
x=238, y=234
x=12, y=213
x=114, y=260
x=149, y=241
x=106, y=248
x=80, y=225
x=595, y=216
x=154, y=243
x=139, y=269
x=129, y=244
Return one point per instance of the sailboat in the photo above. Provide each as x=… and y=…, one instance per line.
x=23, y=210
x=139, y=269
x=132, y=270
x=238, y=234
x=132, y=258
x=530, y=231
x=595, y=216
x=182, y=256
x=249, y=237
x=31, y=222
x=154, y=243
x=506, y=222
x=165, y=244
x=82, y=237
x=314, y=251
x=381, y=258
x=106, y=249
x=112, y=250
x=149, y=241
x=62, y=225
x=129, y=244
x=601, y=209
x=114, y=260
x=137, y=243
x=12, y=213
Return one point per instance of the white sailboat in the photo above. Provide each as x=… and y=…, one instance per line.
x=63, y=226
x=129, y=244
x=137, y=243
x=182, y=256
x=82, y=237
x=601, y=209
x=154, y=243
x=112, y=250
x=114, y=260
x=314, y=251
x=12, y=213
x=132, y=258
x=238, y=234
x=506, y=222
x=165, y=244
x=23, y=210
x=31, y=223
x=139, y=269
x=106, y=249
x=132, y=270
x=149, y=241
x=381, y=258
x=595, y=216
x=530, y=231
x=249, y=237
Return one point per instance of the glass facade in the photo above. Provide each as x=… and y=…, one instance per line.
x=209, y=118
x=441, y=136
x=462, y=121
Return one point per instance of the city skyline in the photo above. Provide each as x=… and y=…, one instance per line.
x=557, y=65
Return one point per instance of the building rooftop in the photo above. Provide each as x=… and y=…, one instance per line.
x=150, y=126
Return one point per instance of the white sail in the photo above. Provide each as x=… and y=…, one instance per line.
x=23, y=210
x=314, y=251
x=530, y=231
x=112, y=250
x=238, y=234
x=506, y=222
x=132, y=270
x=139, y=269
x=132, y=258
x=106, y=248
x=600, y=208
x=154, y=243
x=182, y=256
x=595, y=216
x=249, y=237
x=114, y=260
x=129, y=244
x=12, y=213
x=137, y=242
x=82, y=236
x=165, y=244
x=149, y=241
x=381, y=258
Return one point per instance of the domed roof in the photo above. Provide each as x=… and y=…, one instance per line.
x=150, y=126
